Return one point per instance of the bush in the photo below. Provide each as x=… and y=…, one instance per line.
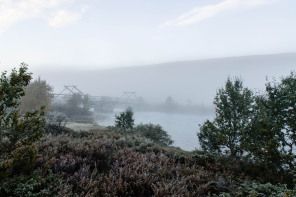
x=107, y=163
x=77, y=108
x=125, y=121
x=56, y=118
x=33, y=185
x=155, y=133
x=253, y=188
x=55, y=123
x=18, y=134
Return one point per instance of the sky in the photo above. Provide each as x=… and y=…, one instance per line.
x=96, y=34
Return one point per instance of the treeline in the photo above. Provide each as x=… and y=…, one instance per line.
x=257, y=127
x=171, y=106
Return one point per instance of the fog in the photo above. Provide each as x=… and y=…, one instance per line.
x=173, y=54
x=185, y=81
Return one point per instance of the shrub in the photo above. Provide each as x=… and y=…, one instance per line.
x=18, y=134
x=253, y=188
x=109, y=163
x=56, y=118
x=55, y=123
x=32, y=185
x=136, y=143
x=155, y=133
x=125, y=120
x=77, y=108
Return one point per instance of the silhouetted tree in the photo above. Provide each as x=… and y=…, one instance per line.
x=234, y=105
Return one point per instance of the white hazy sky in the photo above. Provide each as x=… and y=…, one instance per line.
x=90, y=34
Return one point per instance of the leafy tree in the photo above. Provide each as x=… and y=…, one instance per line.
x=234, y=105
x=37, y=94
x=282, y=102
x=155, y=133
x=76, y=106
x=18, y=134
x=125, y=120
x=263, y=138
x=208, y=137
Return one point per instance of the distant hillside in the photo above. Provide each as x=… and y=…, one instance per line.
x=184, y=80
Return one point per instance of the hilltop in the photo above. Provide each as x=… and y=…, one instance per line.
x=195, y=80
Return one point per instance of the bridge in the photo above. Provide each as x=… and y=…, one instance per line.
x=100, y=103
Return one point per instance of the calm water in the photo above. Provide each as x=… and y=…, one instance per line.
x=182, y=128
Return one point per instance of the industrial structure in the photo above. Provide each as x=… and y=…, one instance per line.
x=100, y=103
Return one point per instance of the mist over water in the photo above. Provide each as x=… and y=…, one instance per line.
x=182, y=127
x=185, y=81
x=173, y=74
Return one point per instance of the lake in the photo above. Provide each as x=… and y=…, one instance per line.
x=182, y=127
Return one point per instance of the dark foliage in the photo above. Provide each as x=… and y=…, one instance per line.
x=18, y=134
x=259, y=129
x=154, y=132
x=31, y=185
x=125, y=120
x=77, y=108
x=234, y=105
x=120, y=163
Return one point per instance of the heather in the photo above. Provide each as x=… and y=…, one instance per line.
x=108, y=163
x=41, y=157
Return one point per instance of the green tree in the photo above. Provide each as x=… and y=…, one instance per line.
x=263, y=138
x=37, y=94
x=18, y=134
x=282, y=103
x=208, y=137
x=234, y=105
x=125, y=120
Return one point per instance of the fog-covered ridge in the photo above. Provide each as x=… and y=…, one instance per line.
x=184, y=81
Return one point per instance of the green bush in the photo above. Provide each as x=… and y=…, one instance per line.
x=125, y=120
x=18, y=134
x=155, y=133
x=31, y=186
x=256, y=189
